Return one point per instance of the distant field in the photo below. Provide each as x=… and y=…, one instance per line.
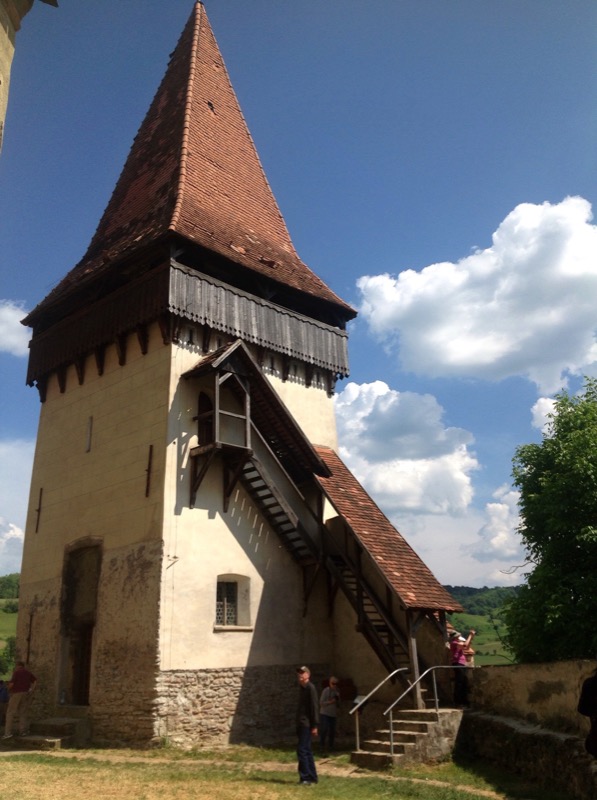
x=487, y=644
x=8, y=624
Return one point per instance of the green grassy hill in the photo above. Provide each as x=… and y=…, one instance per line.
x=483, y=613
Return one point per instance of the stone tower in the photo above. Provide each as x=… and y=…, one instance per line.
x=192, y=534
x=11, y=15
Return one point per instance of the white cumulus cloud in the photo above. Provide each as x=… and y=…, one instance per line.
x=398, y=447
x=540, y=412
x=419, y=471
x=498, y=536
x=11, y=547
x=14, y=337
x=16, y=461
x=523, y=307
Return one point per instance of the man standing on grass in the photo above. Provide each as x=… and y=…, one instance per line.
x=307, y=721
x=20, y=686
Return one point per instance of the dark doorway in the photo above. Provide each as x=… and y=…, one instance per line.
x=79, y=610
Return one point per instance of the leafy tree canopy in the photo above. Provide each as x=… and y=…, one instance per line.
x=9, y=586
x=485, y=601
x=553, y=615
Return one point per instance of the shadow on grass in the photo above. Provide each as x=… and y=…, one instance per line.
x=509, y=783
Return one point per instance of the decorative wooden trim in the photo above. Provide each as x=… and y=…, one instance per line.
x=309, y=374
x=42, y=388
x=285, y=368
x=61, y=375
x=206, y=339
x=143, y=338
x=80, y=368
x=121, y=342
x=164, y=323
x=176, y=327
x=100, y=358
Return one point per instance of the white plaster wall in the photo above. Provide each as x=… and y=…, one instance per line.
x=204, y=542
x=100, y=492
x=312, y=408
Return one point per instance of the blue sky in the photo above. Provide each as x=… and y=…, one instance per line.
x=435, y=163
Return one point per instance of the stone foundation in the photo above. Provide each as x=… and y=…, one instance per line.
x=251, y=705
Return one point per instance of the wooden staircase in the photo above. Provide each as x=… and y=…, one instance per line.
x=313, y=546
x=375, y=621
x=277, y=511
x=305, y=537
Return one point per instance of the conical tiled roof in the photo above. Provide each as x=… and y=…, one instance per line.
x=193, y=171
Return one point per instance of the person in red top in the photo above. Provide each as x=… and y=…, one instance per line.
x=458, y=646
x=20, y=686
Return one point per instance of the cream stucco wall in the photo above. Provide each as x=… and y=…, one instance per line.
x=312, y=408
x=94, y=481
x=160, y=559
x=93, y=492
x=204, y=542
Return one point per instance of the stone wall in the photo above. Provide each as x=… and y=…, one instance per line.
x=542, y=694
x=547, y=758
x=252, y=705
x=525, y=720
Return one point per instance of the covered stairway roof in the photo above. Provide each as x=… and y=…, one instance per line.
x=411, y=579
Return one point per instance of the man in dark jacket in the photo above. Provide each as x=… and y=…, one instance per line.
x=307, y=721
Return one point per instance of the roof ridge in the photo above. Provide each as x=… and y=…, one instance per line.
x=184, y=150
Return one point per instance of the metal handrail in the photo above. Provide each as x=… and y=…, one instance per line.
x=364, y=700
x=391, y=707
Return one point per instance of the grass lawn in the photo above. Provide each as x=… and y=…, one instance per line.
x=240, y=773
x=8, y=624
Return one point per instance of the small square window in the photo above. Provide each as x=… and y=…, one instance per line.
x=227, y=603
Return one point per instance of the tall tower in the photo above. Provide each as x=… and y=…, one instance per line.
x=11, y=15
x=186, y=542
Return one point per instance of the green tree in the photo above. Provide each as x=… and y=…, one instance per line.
x=553, y=615
x=9, y=585
x=8, y=656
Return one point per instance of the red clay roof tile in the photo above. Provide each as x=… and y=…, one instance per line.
x=193, y=170
x=412, y=580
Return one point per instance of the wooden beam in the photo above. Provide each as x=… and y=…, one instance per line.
x=197, y=474
x=80, y=367
x=61, y=375
x=100, y=358
x=121, y=341
x=143, y=338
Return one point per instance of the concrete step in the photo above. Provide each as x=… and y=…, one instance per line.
x=384, y=746
x=33, y=741
x=418, y=715
x=53, y=733
x=411, y=726
x=400, y=735
x=374, y=760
